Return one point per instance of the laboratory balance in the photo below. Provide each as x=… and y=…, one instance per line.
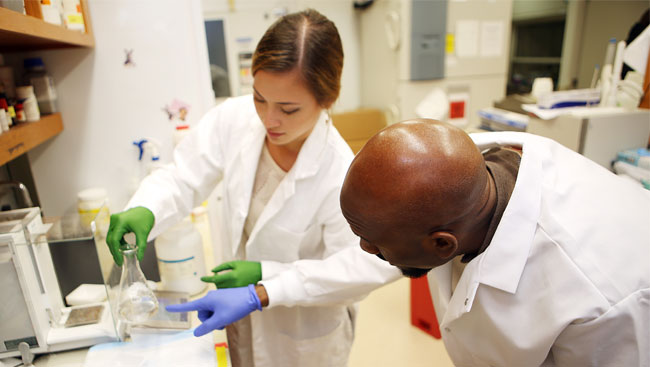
x=34, y=280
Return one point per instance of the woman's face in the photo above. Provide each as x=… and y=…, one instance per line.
x=286, y=107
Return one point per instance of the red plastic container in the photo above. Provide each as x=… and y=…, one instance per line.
x=423, y=316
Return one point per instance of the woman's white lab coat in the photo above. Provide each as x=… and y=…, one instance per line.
x=565, y=280
x=301, y=224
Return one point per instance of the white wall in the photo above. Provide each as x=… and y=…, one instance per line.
x=604, y=20
x=341, y=12
x=106, y=106
x=384, y=82
x=251, y=18
x=379, y=74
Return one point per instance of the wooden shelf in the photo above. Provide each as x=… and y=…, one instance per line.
x=19, y=32
x=27, y=135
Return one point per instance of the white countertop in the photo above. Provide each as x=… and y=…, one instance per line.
x=76, y=358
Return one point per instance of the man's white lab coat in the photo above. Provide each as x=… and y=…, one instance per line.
x=565, y=280
x=308, y=321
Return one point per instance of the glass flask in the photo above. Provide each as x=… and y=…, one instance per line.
x=136, y=301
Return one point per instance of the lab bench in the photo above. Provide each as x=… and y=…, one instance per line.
x=77, y=357
x=41, y=261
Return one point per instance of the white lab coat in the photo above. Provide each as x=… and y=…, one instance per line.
x=565, y=280
x=301, y=224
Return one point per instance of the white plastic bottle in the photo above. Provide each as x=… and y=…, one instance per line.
x=43, y=84
x=89, y=204
x=4, y=125
x=30, y=105
x=180, y=132
x=202, y=224
x=180, y=258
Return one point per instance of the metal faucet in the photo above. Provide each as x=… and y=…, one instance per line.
x=27, y=200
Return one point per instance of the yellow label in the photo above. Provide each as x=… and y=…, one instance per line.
x=449, y=45
x=222, y=359
x=75, y=19
x=86, y=216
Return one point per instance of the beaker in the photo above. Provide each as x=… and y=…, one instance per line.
x=136, y=302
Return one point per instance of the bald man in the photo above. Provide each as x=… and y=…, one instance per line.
x=539, y=255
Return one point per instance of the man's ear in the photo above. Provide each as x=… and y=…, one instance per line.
x=444, y=244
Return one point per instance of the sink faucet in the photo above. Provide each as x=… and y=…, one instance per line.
x=27, y=200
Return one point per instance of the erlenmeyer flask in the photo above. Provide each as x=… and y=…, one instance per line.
x=136, y=301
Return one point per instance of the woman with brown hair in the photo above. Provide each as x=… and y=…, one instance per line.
x=282, y=164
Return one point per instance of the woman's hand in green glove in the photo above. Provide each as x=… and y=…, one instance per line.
x=138, y=220
x=240, y=274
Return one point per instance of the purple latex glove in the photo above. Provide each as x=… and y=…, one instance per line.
x=221, y=307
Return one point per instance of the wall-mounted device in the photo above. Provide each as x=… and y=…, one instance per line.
x=428, y=34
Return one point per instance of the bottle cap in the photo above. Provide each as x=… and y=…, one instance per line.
x=33, y=62
x=95, y=193
x=24, y=92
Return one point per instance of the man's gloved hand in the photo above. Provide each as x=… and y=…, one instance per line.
x=138, y=220
x=241, y=274
x=221, y=307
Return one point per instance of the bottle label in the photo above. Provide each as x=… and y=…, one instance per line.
x=86, y=216
x=75, y=19
x=175, y=269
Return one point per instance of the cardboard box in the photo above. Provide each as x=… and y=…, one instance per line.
x=357, y=126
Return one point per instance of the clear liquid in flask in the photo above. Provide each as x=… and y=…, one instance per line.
x=137, y=302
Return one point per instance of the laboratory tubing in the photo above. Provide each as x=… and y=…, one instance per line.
x=43, y=84
x=136, y=302
x=180, y=258
x=30, y=105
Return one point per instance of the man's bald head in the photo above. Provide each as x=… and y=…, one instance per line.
x=416, y=177
x=418, y=168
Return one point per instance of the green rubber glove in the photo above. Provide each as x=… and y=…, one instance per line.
x=138, y=220
x=241, y=274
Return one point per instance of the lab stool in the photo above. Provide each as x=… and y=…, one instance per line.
x=423, y=316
